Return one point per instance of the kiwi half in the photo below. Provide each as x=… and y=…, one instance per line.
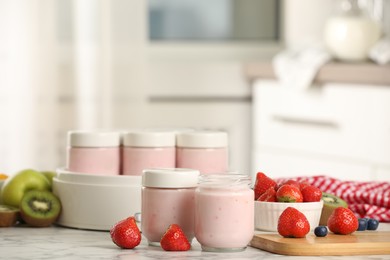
x=330, y=203
x=8, y=215
x=40, y=208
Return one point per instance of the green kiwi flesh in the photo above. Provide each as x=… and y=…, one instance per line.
x=40, y=208
x=330, y=203
x=8, y=215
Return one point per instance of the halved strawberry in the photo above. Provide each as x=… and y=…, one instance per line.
x=289, y=193
x=174, y=239
x=262, y=184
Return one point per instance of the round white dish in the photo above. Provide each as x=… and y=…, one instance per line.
x=94, y=206
x=267, y=213
x=74, y=177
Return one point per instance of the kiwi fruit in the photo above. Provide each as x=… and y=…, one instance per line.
x=40, y=208
x=8, y=215
x=330, y=203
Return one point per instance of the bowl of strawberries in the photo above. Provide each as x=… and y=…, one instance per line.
x=271, y=199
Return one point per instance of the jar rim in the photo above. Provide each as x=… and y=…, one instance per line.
x=224, y=180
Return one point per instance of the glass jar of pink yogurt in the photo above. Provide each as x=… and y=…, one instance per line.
x=167, y=198
x=146, y=149
x=95, y=152
x=206, y=151
x=224, y=212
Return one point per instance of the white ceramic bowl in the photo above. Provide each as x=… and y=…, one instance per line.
x=68, y=176
x=96, y=206
x=267, y=213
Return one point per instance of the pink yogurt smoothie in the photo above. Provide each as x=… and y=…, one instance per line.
x=163, y=207
x=206, y=160
x=136, y=159
x=224, y=219
x=96, y=160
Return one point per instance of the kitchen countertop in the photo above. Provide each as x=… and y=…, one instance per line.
x=359, y=73
x=64, y=243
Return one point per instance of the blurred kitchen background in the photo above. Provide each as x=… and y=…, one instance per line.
x=119, y=64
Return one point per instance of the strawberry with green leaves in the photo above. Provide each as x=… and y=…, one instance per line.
x=262, y=184
x=342, y=221
x=174, y=239
x=289, y=193
x=293, y=223
x=126, y=234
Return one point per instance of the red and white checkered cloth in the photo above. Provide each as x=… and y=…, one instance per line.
x=365, y=199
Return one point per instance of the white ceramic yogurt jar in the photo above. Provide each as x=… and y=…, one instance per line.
x=224, y=212
x=96, y=152
x=206, y=151
x=168, y=198
x=148, y=149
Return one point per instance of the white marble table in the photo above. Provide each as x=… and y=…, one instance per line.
x=65, y=243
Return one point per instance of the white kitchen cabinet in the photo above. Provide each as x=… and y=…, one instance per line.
x=232, y=117
x=203, y=95
x=341, y=130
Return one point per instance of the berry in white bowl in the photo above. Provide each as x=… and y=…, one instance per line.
x=267, y=213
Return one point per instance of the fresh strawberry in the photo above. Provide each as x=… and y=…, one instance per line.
x=289, y=193
x=303, y=184
x=262, y=184
x=293, y=223
x=293, y=182
x=290, y=181
x=311, y=193
x=174, y=239
x=126, y=234
x=269, y=195
x=343, y=221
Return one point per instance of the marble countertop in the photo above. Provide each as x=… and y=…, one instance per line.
x=64, y=243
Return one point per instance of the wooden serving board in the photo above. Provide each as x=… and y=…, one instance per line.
x=358, y=243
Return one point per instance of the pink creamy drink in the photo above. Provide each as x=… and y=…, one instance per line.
x=224, y=212
x=205, y=151
x=95, y=152
x=168, y=198
x=148, y=149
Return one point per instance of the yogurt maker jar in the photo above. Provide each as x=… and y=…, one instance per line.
x=206, y=151
x=167, y=198
x=224, y=212
x=148, y=149
x=95, y=152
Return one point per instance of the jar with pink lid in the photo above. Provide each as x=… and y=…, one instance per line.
x=206, y=151
x=167, y=198
x=148, y=149
x=94, y=152
x=224, y=212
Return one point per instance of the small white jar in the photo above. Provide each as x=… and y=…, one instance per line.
x=168, y=198
x=147, y=149
x=95, y=152
x=224, y=212
x=206, y=151
x=351, y=34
